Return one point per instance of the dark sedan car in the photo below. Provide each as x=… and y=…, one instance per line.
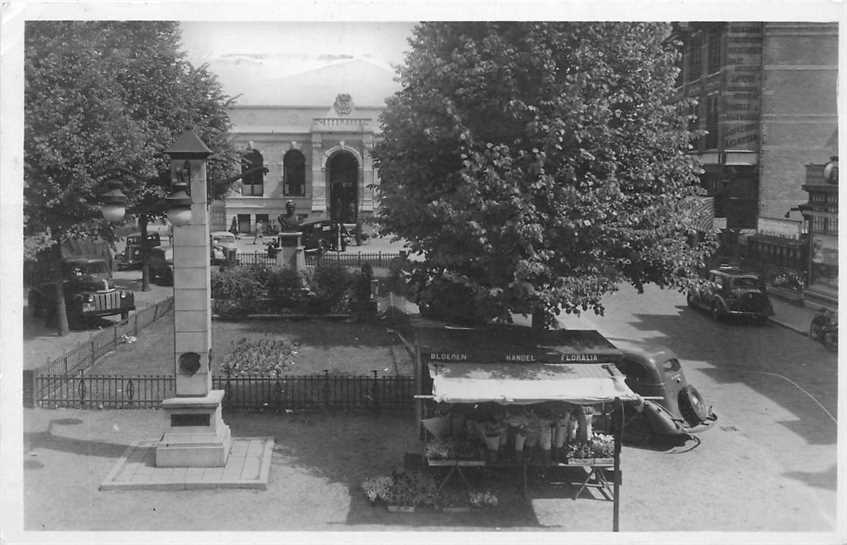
x=323, y=235
x=731, y=292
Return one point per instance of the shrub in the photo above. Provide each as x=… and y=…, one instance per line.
x=234, y=284
x=398, y=275
x=331, y=284
x=262, y=274
x=286, y=288
x=234, y=292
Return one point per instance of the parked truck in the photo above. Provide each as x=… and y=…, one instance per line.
x=85, y=270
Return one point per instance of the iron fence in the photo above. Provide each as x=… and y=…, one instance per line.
x=253, y=259
x=297, y=393
x=374, y=259
x=104, y=391
x=98, y=345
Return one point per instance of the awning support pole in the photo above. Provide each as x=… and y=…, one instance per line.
x=616, y=509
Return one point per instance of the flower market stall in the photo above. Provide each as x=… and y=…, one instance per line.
x=508, y=396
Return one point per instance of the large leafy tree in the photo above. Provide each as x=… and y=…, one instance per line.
x=538, y=165
x=105, y=96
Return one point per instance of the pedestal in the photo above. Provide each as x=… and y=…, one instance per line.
x=291, y=253
x=196, y=435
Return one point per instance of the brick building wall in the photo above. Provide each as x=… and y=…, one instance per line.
x=798, y=109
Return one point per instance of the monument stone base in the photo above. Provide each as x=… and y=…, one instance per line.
x=196, y=436
x=291, y=254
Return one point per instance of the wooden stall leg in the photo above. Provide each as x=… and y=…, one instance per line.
x=618, y=435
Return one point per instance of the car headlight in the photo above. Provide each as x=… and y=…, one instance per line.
x=89, y=299
x=123, y=295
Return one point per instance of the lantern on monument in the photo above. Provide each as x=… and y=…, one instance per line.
x=179, y=201
x=113, y=202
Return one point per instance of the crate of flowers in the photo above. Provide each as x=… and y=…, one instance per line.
x=599, y=450
x=402, y=491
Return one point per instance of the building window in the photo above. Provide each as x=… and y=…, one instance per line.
x=694, y=123
x=252, y=184
x=294, y=174
x=695, y=57
x=714, y=55
x=712, y=122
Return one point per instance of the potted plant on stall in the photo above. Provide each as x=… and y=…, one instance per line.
x=545, y=440
x=533, y=433
x=560, y=434
x=491, y=433
x=518, y=424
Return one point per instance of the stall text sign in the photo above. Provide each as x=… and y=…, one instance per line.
x=483, y=356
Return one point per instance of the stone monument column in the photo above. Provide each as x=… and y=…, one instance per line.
x=318, y=178
x=196, y=435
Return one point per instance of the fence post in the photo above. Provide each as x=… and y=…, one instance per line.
x=136, y=324
x=66, y=366
x=93, y=350
x=29, y=388
x=82, y=388
x=326, y=388
x=278, y=395
x=227, y=385
x=374, y=394
x=129, y=392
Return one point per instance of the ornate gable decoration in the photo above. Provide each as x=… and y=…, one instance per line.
x=343, y=104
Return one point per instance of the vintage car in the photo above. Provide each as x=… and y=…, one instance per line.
x=162, y=266
x=673, y=407
x=130, y=258
x=731, y=292
x=223, y=247
x=322, y=235
x=87, y=290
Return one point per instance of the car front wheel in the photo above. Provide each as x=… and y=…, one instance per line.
x=690, y=299
x=716, y=312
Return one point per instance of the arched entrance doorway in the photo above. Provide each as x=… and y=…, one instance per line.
x=343, y=174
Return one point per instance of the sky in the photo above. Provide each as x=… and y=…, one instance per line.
x=262, y=61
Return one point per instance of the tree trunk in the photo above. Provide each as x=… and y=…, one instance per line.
x=539, y=319
x=61, y=310
x=145, y=254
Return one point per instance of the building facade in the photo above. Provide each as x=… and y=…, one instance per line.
x=766, y=99
x=821, y=213
x=318, y=158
